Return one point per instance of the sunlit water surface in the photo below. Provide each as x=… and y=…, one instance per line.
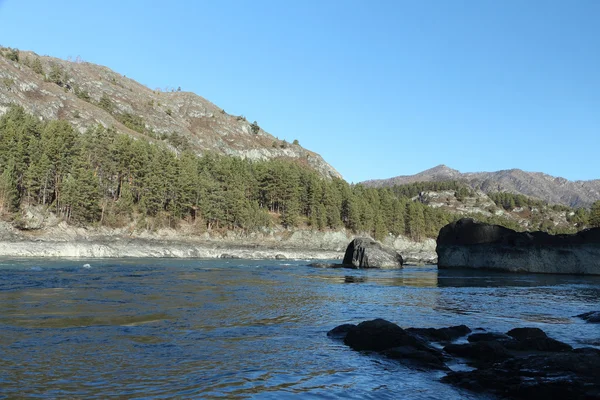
x=236, y=329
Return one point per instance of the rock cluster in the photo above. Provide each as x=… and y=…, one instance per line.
x=523, y=363
x=469, y=244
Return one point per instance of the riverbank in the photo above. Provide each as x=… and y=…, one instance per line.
x=62, y=240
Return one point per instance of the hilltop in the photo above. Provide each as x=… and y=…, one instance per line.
x=86, y=94
x=554, y=190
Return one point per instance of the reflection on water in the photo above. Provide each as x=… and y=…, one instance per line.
x=214, y=328
x=409, y=276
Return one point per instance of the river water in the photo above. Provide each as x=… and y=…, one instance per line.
x=163, y=328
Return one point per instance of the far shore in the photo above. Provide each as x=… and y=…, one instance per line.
x=62, y=240
x=143, y=248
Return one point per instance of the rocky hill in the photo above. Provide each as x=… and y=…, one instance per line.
x=552, y=189
x=86, y=94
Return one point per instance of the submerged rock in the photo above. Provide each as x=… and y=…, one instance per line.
x=441, y=334
x=534, y=339
x=592, y=316
x=469, y=244
x=340, y=332
x=325, y=265
x=483, y=351
x=488, y=336
x=367, y=253
x=419, y=359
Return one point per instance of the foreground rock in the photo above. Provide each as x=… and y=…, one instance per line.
x=524, y=363
x=468, y=244
x=571, y=375
x=367, y=253
x=391, y=341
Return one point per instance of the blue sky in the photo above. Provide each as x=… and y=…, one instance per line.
x=379, y=88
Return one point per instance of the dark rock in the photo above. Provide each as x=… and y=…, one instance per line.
x=489, y=352
x=441, y=334
x=229, y=256
x=568, y=375
x=527, y=333
x=376, y=335
x=367, y=253
x=592, y=316
x=340, y=332
x=325, y=265
x=488, y=336
x=354, y=279
x=534, y=339
x=379, y=335
x=468, y=244
x=417, y=358
x=280, y=257
x=392, y=341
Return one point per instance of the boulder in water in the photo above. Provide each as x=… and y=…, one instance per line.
x=368, y=253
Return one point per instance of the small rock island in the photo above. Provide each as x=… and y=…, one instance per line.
x=364, y=252
x=368, y=253
x=469, y=244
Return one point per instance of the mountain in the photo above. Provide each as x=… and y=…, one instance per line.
x=86, y=94
x=554, y=190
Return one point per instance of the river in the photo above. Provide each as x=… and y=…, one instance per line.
x=163, y=328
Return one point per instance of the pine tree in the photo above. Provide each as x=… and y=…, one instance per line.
x=321, y=217
x=595, y=215
x=9, y=195
x=82, y=194
x=380, y=230
x=415, y=221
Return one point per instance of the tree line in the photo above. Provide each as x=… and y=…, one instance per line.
x=106, y=178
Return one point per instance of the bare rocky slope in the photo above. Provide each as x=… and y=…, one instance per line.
x=552, y=189
x=86, y=94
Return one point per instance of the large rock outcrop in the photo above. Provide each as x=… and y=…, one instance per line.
x=367, y=253
x=469, y=244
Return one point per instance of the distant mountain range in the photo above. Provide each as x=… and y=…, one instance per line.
x=552, y=189
x=87, y=94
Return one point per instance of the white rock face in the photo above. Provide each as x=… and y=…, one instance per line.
x=150, y=249
x=62, y=240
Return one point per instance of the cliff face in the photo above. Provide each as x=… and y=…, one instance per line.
x=86, y=94
x=468, y=244
x=552, y=189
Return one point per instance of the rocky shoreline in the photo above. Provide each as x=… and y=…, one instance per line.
x=62, y=240
x=141, y=248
